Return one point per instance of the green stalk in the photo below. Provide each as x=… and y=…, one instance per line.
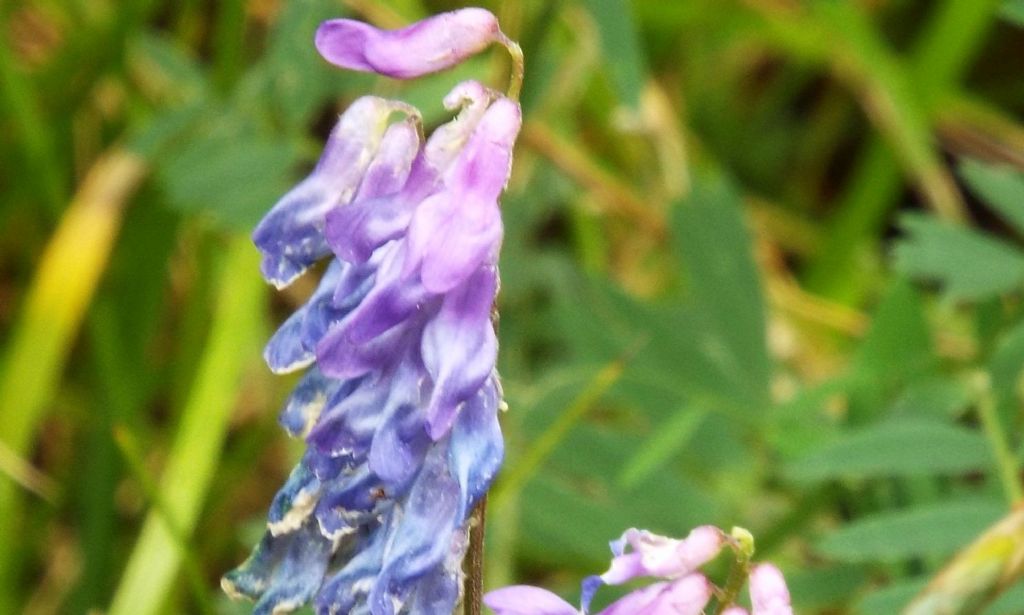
x=1006, y=461
x=742, y=543
x=48, y=323
x=192, y=462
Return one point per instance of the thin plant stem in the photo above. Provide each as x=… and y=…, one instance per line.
x=475, y=560
x=1006, y=464
x=232, y=343
x=742, y=543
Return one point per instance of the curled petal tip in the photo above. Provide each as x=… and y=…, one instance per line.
x=431, y=45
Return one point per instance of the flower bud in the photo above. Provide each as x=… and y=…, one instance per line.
x=428, y=46
x=768, y=591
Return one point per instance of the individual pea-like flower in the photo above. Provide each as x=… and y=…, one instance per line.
x=682, y=590
x=398, y=404
x=425, y=47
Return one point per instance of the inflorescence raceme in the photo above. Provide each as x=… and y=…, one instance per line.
x=398, y=404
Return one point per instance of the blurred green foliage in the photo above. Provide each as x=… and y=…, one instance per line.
x=764, y=266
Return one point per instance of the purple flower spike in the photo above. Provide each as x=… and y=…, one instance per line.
x=428, y=46
x=399, y=406
x=768, y=591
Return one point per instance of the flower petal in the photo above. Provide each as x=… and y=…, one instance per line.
x=660, y=556
x=427, y=46
x=349, y=502
x=455, y=231
x=768, y=592
x=294, y=501
x=526, y=600
x=686, y=596
x=292, y=346
x=424, y=536
x=283, y=572
x=350, y=585
x=476, y=447
x=348, y=422
x=290, y=236
x=307, y=401
x=373, y=219
x=459, y=348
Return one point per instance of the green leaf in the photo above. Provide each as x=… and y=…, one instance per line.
x=1010, y=603
x=896, y=351
x=165, y=71
x=659, y=448
x=890, y=599
x=578, y=482
x=292, y=79
x=1001, y=187
x=1004, y=368
x=723, y=283
x=569, y=521
x=898, y=448
x=933, y=530
x=968, y=264
x=1013, y=12
x=820, y=589
x=935, y=397
x=231, y=173
x=898, y=346
x=621, y=48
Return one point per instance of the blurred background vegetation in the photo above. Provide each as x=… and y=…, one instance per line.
x=763, y=267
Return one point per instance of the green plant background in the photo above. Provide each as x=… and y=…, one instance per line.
x=763, y=267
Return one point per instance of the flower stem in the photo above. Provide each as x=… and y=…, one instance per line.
x=1006, y=464
x=515, y=80
x=742, y=543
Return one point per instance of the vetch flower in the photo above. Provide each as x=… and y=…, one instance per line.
x=659, y=556
x=428, y=46
x=680, y=589
x=399, y=402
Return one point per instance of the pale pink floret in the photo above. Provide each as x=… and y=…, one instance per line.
x=659, y=556
x=735, y=610
x=768, y=591
x=686, y=596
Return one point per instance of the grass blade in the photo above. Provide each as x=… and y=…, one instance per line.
x=231, y=346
